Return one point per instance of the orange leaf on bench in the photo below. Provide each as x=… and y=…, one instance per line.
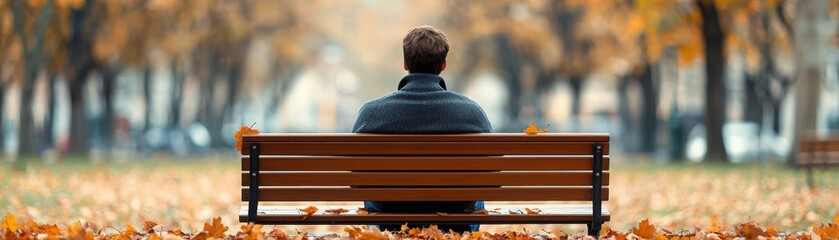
x=244, y=130
x=309, y=211
x=336, y=211
x=533, y=211
x=532, y=129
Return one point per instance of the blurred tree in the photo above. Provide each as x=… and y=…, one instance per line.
x=715, y=91
x=30, y=23
x=761, y=33
x=809, y=57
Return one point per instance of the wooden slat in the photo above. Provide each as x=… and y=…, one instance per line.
x=426, y=194
x=575, y=178
x=826, y=145
x=466, y=137
x=550, y=214
x=431, y=163
x=425, y=148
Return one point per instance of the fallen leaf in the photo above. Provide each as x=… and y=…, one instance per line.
x=130, y=230
x=217, y=229
x=644, y=229
x=532, y=129
x=482, y=212
x=533, y=211
x=362, y=211
x=148, y=226
x=336, y=211
x=308, y=211
x=10, y=223
x=252, y=231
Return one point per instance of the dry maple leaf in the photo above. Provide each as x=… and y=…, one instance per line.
x=251, y=231
x=76, y=231
x=130, y=230
x=176, y=232
x=644, y=230
x=533, y=211
x=148, y=226
x=516, y=212
x=336, y=211
x=362, y=211
x=308, y=211
x=244, y=130
x=482, y=212
x=216, y=230
x=10, y=223
x=532, y=129
x=154, y=237
x=354, y=232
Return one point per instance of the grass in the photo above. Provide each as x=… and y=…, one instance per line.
x=188, y=193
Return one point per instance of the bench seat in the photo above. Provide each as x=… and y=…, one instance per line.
x=551, y=213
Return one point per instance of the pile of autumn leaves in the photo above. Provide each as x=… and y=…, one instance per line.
x=11, y=229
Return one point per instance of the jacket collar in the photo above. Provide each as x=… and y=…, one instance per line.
x=422, y=82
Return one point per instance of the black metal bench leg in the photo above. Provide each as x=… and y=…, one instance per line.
x=253, y=187
x=593, y=230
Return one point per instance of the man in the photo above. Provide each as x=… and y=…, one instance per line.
x=423, y=105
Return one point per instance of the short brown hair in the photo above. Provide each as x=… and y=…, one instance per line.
x=425, y=49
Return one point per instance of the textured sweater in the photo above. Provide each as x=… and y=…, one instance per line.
x=421, y=105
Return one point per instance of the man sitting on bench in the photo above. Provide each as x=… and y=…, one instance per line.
x=423, y=105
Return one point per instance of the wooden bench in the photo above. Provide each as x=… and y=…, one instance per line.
x=322, y=167
x=817, y=152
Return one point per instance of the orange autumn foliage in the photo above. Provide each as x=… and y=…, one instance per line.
x=532, y=129
x=251, y=231
x=308, y=211
x=244, y=130
x=336, y=211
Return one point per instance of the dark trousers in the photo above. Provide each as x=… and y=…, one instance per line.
x=427, y=207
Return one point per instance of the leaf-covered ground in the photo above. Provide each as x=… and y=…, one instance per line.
x=187, y=194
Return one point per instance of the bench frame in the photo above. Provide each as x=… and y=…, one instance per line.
x=594, y=225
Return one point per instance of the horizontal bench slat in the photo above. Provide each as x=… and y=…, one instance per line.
x=466, y=137
x=430, y=163
x=567, y=178
x=550, y=214
x=425, y=148
x=426, y=194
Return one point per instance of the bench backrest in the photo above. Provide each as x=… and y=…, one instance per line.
x=817, y=150
x=380, y=167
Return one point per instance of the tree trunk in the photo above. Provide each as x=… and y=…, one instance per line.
x=28, y=146
x=234, y=76
x=81, y=63
x=79, y=134
x=511, y=64
x=32, y=54
x=177, y=95
x=810, y=60
x=754, y=103
x=147, y=100
x=649, y=112
x=627, y=123
x=715, y=95
x=576, y=93
x=108, y=85
x=49, y=122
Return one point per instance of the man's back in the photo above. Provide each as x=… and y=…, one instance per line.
x=422, y=105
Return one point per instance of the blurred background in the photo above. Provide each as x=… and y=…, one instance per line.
x=723, y=80
x=671, y=80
